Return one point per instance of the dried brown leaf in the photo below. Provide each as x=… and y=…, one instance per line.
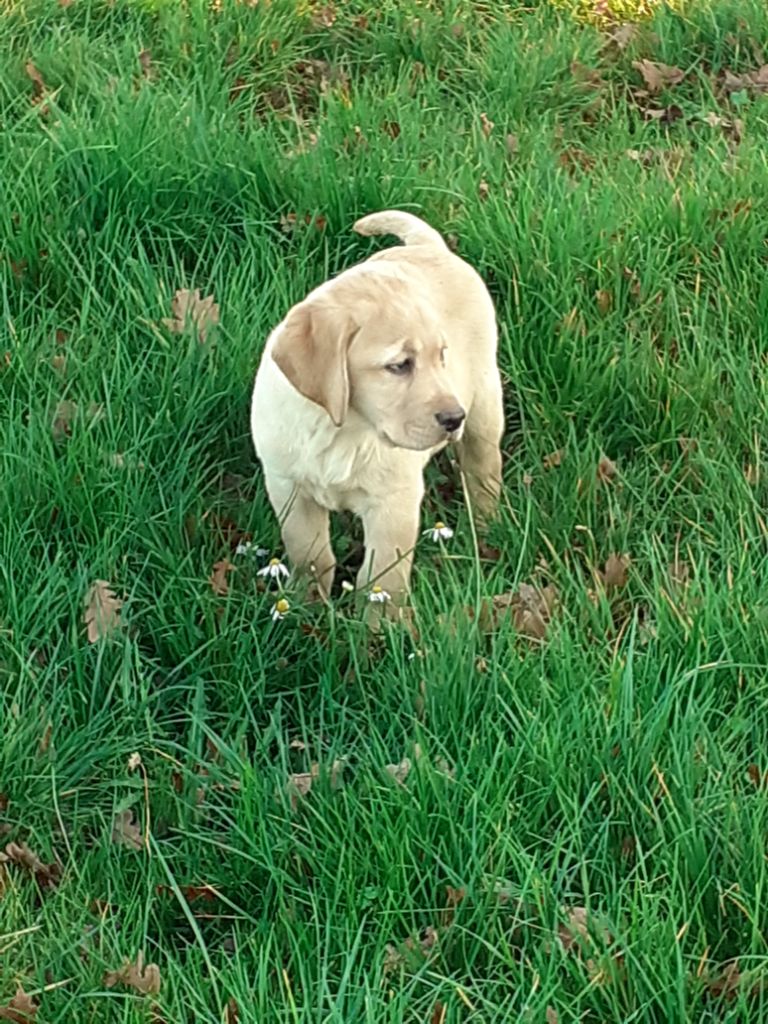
x=604, y=300
x=439, y=1012
x=47, y=876
x=752, y=81
x=554, y=458
x=189, y=308
x=218, y=578
x=39, y=88
x=21, y=1009
x=63, y=416
x=622, y=36
x=756, y=777
x=615, y=571
x=512, y=144
x=579, y=930
x=658, y=76
x=727, y=983
x=144, y=979
x=606, y=470
x=399, y=772
x=231, y=1012
x=145, y=60
x=530, y=608
x=486, y=125
x=551, y=1015
x=483, y=191
x=125, y=831
x=664, y=115
x=102, y=611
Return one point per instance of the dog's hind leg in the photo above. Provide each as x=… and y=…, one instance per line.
x=479, y=451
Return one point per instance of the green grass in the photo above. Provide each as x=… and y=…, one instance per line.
x=606, y=767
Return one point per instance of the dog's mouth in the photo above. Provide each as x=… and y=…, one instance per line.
x=421, y=445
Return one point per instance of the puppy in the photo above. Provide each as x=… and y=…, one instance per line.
x=362, y=382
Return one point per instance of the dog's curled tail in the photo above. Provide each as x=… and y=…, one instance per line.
x=408, y=228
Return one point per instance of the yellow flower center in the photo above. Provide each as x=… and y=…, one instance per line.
x=274, y=561
x=282, y=606
x=439, y=525
x=376, y=590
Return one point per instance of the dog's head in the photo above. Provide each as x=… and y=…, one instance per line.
x=373, y=344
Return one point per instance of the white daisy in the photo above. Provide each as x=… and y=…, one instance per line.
x=378, y=596
x=280, y=609
x=244, y=547
x=274, y=569
x=347, y=586
x=440, y=532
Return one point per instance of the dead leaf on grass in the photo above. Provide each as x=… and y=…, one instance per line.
x=145, y=60
x=530, y=607
x=554, y=459
x=606, y=470
x=551, y=1015
x=47, y=876
x=587, y=78
x=62, y=419
x=439, y=1012
x=658, y=76
x=574, y=159
x=218, y=578
x=144, y=979
x=756, y=777
x=752, y=81
x=622, y=36
x=486, y=125
x=189, y=308
x=664, y=115
x=39, y=88
x=513, y=144
x=615, y=573
x=21, y=1009
x=604, y=300
x=125, y=831
x=727, y=983
x=300, y=783
x=231, y=1012
x=102, y=611
x=399, y=772
x=483, y=191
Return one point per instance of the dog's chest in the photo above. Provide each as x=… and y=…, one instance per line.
x=345, y=474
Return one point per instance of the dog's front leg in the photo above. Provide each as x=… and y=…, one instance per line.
x=305, y=530
x=391, y=528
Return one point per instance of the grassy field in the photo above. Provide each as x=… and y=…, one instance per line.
x=527, y=815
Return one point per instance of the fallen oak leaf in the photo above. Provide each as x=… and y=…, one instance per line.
x=125, y=831
x=658, y=76
x=614, y=574
x=189, y=307
x=606, y=470
x=102, y=611
x=144, y=979
x=39, y=88
x=554, y=459
x=218, y=578
x=752, y=81
x=399, y=772
x=21, y=1009
x=727, y=983
x=47, y=876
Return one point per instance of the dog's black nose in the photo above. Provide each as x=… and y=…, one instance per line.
x=450, y=419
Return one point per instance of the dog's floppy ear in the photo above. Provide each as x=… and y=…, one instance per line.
x=311, y=350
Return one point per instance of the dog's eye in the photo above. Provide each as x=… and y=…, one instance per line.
x=401, y=368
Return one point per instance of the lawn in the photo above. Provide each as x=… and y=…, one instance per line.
x=553, y=805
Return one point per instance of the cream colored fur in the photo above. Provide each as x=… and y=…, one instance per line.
x=347, y=394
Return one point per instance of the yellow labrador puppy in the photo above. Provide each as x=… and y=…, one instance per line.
x=362, y=382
